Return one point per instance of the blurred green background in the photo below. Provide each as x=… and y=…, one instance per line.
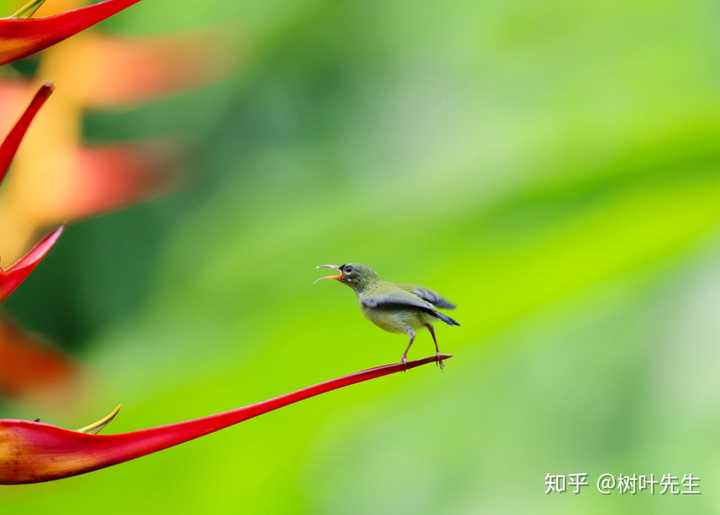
x=553, y=168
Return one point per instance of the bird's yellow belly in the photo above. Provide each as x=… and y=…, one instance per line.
x=397, y=321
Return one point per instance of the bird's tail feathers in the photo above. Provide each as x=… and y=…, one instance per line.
x=445, y=318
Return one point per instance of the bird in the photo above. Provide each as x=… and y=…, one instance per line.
x=397, y=308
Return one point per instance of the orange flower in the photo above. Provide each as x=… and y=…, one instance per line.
x=30, y=368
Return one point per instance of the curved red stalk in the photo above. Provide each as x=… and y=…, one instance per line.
x=20, y=37
x=32, y=452
x=9, y=146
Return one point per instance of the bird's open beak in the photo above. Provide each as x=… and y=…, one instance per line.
x=335, y=277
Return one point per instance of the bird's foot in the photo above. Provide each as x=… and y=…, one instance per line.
x=403, y=360
x=440, y=363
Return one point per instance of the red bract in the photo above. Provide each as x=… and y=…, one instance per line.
x=13, y=276
x=9, y=147
x=21, y=37
x=32, y=452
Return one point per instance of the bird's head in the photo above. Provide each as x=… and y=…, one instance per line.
x=355, y=275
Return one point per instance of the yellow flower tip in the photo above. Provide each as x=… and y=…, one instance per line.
x=96, y=427
x=29, y=9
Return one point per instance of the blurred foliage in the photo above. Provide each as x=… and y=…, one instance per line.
x=552, y=168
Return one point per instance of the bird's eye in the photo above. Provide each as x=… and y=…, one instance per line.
x=348, y=269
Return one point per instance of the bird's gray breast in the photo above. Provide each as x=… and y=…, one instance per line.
x=394, y=320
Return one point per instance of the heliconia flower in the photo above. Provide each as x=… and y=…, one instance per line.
x=85, y=180
x=32, y=369
x=21, y=36
x=57, y=178
x=32, y=452
x=92, y=180
x=13, y=276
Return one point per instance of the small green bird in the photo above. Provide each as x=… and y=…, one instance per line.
x=398, y=308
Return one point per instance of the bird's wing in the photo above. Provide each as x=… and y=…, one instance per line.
x=428, y=295
x=395, y=297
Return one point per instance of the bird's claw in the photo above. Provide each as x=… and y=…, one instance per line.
x=440, y=362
